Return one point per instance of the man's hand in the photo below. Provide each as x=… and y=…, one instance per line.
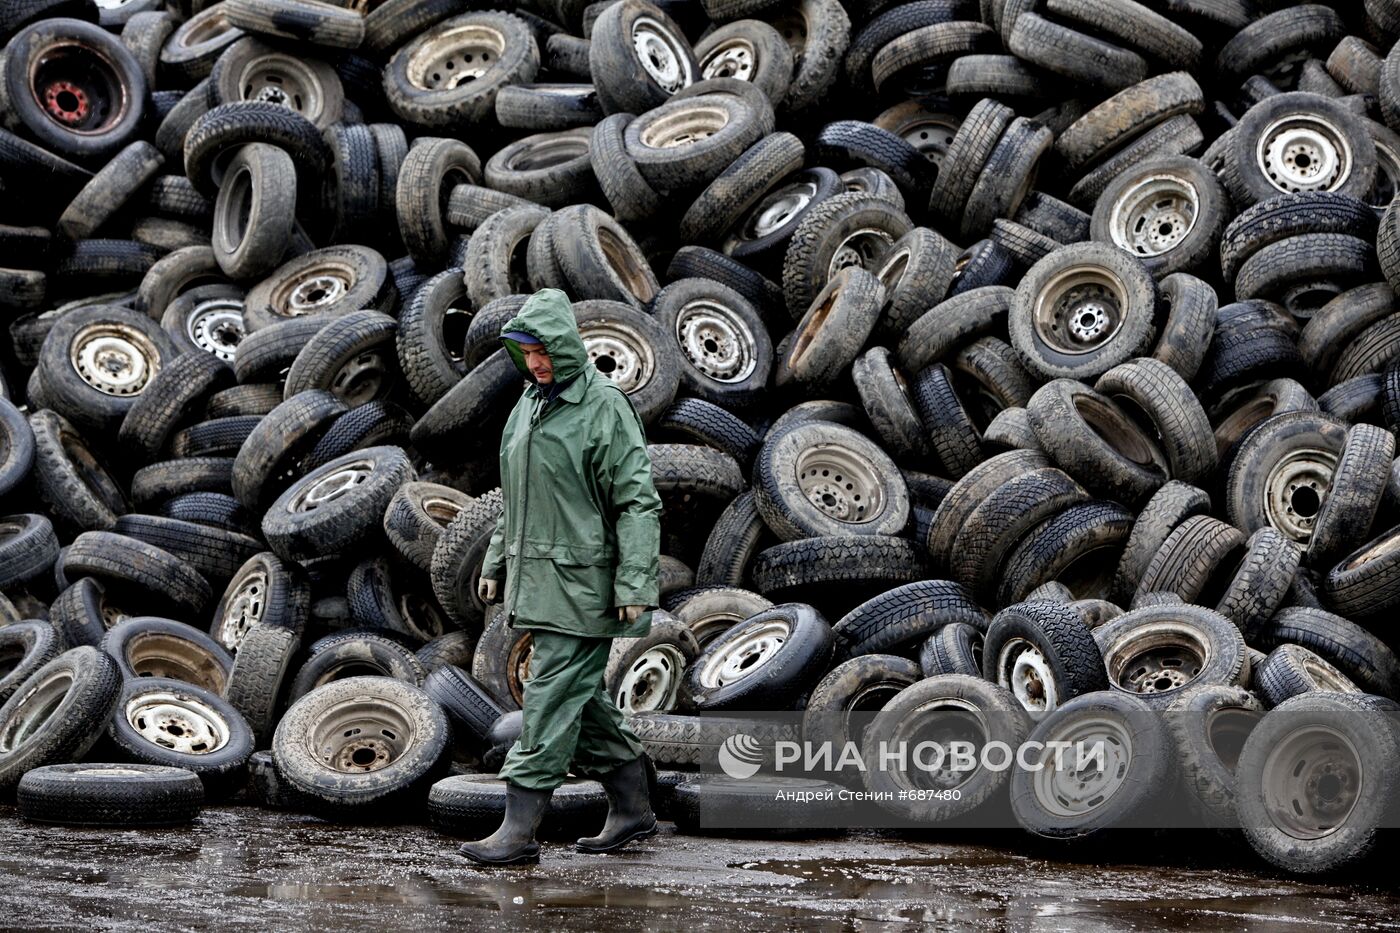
x=486, y=589
x=630, y=613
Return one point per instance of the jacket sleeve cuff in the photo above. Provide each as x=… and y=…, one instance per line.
x=634, y=587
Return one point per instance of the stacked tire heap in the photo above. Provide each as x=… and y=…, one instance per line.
x=1045, y=351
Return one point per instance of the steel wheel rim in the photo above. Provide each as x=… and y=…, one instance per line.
x=778, y=209
x=361, y=379
x=1155, y=215
x=332, y=486
x=1381, y=548
x=440, y=510
x=746, y=654
x=1080, y=309
x=735, y=58
x=661, y=54
x=453, y=57
x=619, y=353
x=316, y=292
x=1304, y=152
x=177, y=722
x=415, y=610
x=360, y=735
x=232, y=225
x=1159, y=657
x=1074, y=793
x=285, y=81
x=684, y=127
x=865, y=248
x=1312, y=781
x=518, y=666
x=931, y=135
x=34, y=708
x=115, y=359
x=841, y=483
x=959, y=720
x=245, y=609
x=156, y=654
x=1326, y=676
x=78, y=88
x=1387, y=183
x=1023, y=669
x=216, y=326
x=1295, y=489
x=716, y=341
x=653, y=681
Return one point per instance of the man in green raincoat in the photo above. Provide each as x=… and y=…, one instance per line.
x=577, y=542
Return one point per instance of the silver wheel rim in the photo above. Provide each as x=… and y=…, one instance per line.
x=1326, y=676
x=1304, y=152
x=619, y=353
x=1080, y=309
x=653, y=681
x=440, y=510
x=1075, y=792
x=33, y=709
x=840, y=483
x=1155, y=215
x=285, y=81
x=932, y=136
x=1023, y=669
x=360, y=735
x=1387, y=183
x=114, y=359
x=661, y=54
x=735, y=58
x=245, y=609
x=716, y=341
x=1313, y=780
x=231, y=224
x=1158, y=657
x=684, y=127
x=316, y=292
x=454, y=57
x=955, y=720
x=778, y=209
x=331, y=486
x=745, y=655
x=216, y=326
x=1295, y=489
x=864, y=248
x=361, y=379
x=179, y=723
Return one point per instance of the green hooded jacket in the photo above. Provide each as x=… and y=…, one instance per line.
x=581, y=529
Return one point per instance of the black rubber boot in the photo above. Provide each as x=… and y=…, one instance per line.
x=629, y=809
x=514, y=842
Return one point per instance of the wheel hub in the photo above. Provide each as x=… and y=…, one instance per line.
x=744, y=656
x=1312, y=781
x=779, y=208
x=1295, y=490
x=1161, y=669
x=455, y=57
x=67, y=103
x=1026, y=672
x=685, y=127
x=114, y=359
x=244, y=610
x=932, y=136
x=176, y=722
x=361, y=379
x=332, y=486
x=716, y=342
x=733, y=59
x=1304, y=153
x=660, y=55
x=283, y=81
x=1080, y=310
x=653, y=681
x=1082, y=787
x=360, y=735
x=1155, y=215
x=619, y=353
x=841, y=484
x=317, y=291
x=216, y=327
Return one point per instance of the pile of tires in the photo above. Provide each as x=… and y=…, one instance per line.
x=1041, y=357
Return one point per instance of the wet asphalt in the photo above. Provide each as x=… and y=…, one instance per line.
x=243, y=868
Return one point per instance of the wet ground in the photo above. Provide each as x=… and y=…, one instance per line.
x=239, y=868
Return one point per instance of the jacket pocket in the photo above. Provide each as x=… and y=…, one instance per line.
x=577, y=555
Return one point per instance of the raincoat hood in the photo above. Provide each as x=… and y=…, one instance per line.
x=549, y=315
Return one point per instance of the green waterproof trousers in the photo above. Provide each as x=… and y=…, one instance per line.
x=569, y=721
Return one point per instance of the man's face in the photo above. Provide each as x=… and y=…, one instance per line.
x=538, y=362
